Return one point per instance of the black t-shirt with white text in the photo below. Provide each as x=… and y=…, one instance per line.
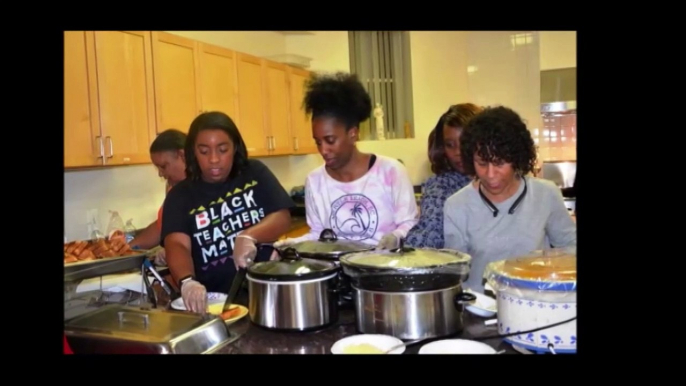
x=213, y=214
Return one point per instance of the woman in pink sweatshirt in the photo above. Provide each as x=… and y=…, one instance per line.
x=360, y=196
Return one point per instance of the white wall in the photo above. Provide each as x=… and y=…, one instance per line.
x=558, y=49
x=503, y=73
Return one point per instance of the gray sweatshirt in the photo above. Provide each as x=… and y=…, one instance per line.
x=541, y=219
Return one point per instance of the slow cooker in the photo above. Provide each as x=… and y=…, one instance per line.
x=409, y=293
x=293, y=293
x=535, y=291
x=330, y=248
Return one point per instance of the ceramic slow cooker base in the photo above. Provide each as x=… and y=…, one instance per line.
x=523, y=313
x=526, y=349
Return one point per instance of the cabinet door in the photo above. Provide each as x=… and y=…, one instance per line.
x=218, y=80
x=125, y=93
x=251, y=104
x=278, y=108
x=301, y=124
x=82, y=140
x=176, y=81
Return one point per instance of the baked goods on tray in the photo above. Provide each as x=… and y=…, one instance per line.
x=114, y=246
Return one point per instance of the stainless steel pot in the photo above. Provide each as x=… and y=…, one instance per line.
x=411, y=315
x=409, y=293
x=293, y=293
x=330, y=248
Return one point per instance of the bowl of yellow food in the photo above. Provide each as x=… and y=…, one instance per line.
x=368, y=344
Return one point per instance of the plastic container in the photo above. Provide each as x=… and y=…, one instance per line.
x=129, y=231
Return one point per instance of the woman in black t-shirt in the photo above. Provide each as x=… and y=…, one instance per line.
x=213, y=219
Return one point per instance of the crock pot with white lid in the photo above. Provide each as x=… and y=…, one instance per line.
x=535, y=291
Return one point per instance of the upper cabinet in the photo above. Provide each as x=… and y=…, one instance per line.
x=177, y=96
x=301, y=128
x=109, y=101
x=124, y=87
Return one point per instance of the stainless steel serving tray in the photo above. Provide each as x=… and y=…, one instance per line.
x=107, y=266
x=119, y=329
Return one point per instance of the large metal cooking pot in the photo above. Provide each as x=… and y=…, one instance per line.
x=293, y=293
x=534, y=291
x=409, y=293
x=330, y=248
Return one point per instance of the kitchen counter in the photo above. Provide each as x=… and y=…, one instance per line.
x=257, y=340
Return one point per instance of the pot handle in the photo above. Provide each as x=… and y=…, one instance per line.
x=290, y=253
x=328, y=235
x=463, y=298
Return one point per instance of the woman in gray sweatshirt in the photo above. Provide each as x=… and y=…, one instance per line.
x=504, y=212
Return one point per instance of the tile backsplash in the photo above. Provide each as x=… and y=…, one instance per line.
x=557, y=140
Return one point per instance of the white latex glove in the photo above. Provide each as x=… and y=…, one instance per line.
x=194, y=296
x=388, y=241
x=280, y=245
x=244, y=251
x=160, y=257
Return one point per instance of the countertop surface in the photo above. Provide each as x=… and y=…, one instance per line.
x=257, y=340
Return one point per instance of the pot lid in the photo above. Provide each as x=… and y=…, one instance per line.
x=329, y=244
x=407, y=258
x=291, y=267
x=546, y=270
x=130, y=323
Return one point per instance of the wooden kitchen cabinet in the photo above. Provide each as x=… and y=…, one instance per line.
x=218, y=90
x=252, y=100
x=81, y=116
x=124, y=87
x=301, y=126
x=108, y=73
x=191, y=78
x=177, y=98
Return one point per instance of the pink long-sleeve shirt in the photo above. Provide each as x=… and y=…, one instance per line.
x=378, y=203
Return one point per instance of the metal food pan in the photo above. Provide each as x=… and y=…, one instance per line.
x=106, y=266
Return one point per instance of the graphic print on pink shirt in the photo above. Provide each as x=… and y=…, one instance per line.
x=354, y=217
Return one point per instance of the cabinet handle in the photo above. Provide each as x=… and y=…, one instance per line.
x=111, y=147
x=273, y=143
x=102, y=147
x=295, y=142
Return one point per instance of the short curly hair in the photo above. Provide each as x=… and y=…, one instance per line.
x=498, y=134
x=457, y=116
x=341, y=96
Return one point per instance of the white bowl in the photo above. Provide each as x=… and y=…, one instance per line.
x=484, y=305
x=456, y=346
x=381, y=342
x=213, y=299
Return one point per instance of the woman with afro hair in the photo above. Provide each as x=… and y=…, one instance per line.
x=363, y=197
x=504, y=212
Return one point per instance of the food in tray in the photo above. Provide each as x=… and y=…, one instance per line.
x=362, y=348
x=231, y=313
x=115, y=246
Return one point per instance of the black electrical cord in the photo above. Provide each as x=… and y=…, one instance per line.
x=500, y=336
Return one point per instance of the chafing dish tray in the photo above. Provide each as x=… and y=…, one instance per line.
x=120, y=329
x=101, y=267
